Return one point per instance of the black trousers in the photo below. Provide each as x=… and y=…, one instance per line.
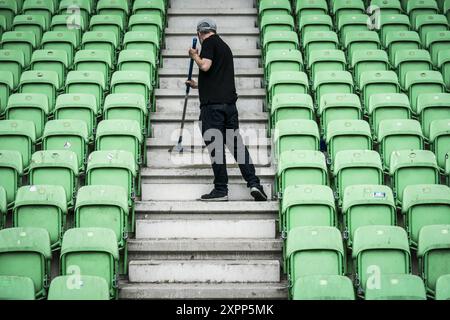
x=220, y=127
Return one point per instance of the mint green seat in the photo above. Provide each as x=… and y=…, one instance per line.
x=361, y=40
x=400, y=134
x=411, y=60
x=78, y=107
x=397, y=287
x=40, y=82
x=12, y=61
x=327, y=60
x=25, y=252
x=437, y=41
x=142, y=40
x=416, y=8
x=18, y=135
x=86, y=82
x=355, y=167
x=20, y=41
x=422, y=82
x=319, y=40
x=30, y=107
x=42, y=206
x=369, y=60
x=107, y=23
x=307, y=205
x=326, y=287
x=424, y=205
x=103, y=207
x=283, y=60
x=314, y=251
x=375, y=82
x=11, y=171
x=393, y=22
x=348, y=135
x=69, y=22
x=45, y=9
x=301, y=167
x=127, y=106
x=138, y=60
x=56, y=167
x=287, y=82
x=6, y=88
x=307, y=8
x=443, y=288
x=338, y=107
x=401, y=40
x=9, y=9
x=61, y=40
x=434, y=255
x=150, y=7
x=444, y=66
x=16, y=288
x=349, y=23
x=387, y=106
x=94, y=60
x=365, y=205
x=137, y=82
x=412, y=167
x=280, y=40
x=91, y=252
x=82, y=8
x=379, y=250
x=271, y=22
x=33, y=23
x=386, y=7
x=440, y=139
x=146, y=23
x=430, y=23
x=82, y=288
x=296, y=135
x=326, y=82
x=51, y=60
x=295, y=106
x=100, y=40
x=341, y=8
x=113, y=8
x=313, y=23
x=69, y=135
x=431, y=107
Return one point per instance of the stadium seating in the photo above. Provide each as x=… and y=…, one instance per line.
x=397, y=287
x=323, y=287
x=81, y=287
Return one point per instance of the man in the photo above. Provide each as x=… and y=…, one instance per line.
x=219, y=115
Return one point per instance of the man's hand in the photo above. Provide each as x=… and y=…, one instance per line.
x=192, y=83
x=193, y=53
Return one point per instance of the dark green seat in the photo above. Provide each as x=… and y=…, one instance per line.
x=397, y=287
x=338, y=107
x=18, y=135
x=440, y=139
x=291, y=106
x=11, y=171
x=9, y=9
x=421, y=82
x=443, y=288
x=16, y=288
x=51, y=60
x=81, y=287
x=326, y=287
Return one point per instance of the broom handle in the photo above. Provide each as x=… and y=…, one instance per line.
x=191, y=65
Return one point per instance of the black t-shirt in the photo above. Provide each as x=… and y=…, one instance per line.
x=217, y=86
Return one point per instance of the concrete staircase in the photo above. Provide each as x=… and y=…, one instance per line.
x=183, y=248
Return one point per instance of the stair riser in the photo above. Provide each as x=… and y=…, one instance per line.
x=203, y=4
x=183, y=63
x=133, y=256
x=189, y=22
x=241, y=83
x=234, y=41
x=175, y=104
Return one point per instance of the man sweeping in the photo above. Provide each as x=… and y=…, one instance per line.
x=218, y=113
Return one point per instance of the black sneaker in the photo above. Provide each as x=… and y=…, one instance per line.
x=258, y=193
x=214, y=196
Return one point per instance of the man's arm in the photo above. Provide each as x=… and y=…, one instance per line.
x=203, y=64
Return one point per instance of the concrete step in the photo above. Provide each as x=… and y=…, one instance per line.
x=230, y=17
x=172, y=101
x=204, y=271
x=222, y=4
x=234, y=291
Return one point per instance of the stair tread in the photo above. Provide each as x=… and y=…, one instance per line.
x=212, y=11
x=206, y=207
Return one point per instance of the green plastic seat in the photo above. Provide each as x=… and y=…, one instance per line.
x=365, y=205
x=301, y=167
x=401, y=40
x=376, y=82
x=69, y=22
x=271, y=22
x=126, y=106
x=327, y=60
x=361, y=40
x=416, y=8
x=137, y=82
x=78, y=107
x=3, y=205
x=94, y=60
x=355, y=167
x=16, y=288
x=447, y=170
x=307, y=205
x=142, y=40
x=430, y=23
x=393, y=22
x=412, y=167
x=25, y=252
x=444, y=66
x=138, y=60
x=30, y=107
x=91, y=252
x=349, y=23
x=434, y=254
x=400, y=134
x=443, y=288
x=146, y=23
x=379, y=250
x=348, y=135
x=287, y=82
x=2, y=24
x=40, y=82
x=319, y=40
x=313, y=7
x=422, y=82
x=314, y=251
x=82, y=8
x=327, y=82
x=423, y=205
x=58, y=167
x=114, y=8
x=108, y=23
x=69, y=135
x=12, y=61
x=51, y=60
x=327, y=287
x=437, y=41
x=100, y=40
x=20, y=41
x=338, y=107
x=9, y=9
x=313, y=23
x=298, y=106
x=387, y=106
x=44, y=8
x=386, y=7
x=280, y=40
x=369, y=60
x=42, y=206
x=18, y=135
x=151, y=7
x=11, y=170
x=273, y=7
x=86, y=82
x=6, y=88
x=61, y=40
x=446, y=9
x=82, y=288
x=440, y=138
x=397, y=287
x=411, y=60
x=431, y=107
x=341, y=8
x=283, y=60
x=30, y=23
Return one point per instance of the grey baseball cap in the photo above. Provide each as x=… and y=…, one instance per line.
x=206, y=25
